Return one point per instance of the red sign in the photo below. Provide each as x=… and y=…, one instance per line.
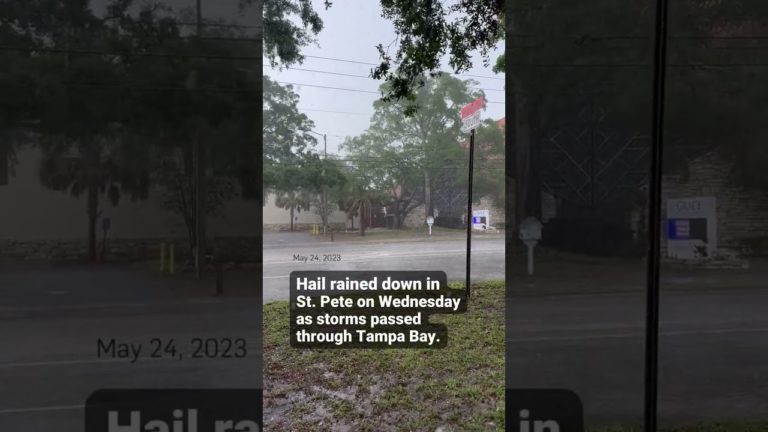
x=472, y=107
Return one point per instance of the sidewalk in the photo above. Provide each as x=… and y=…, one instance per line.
x=372, y=236
x=560, y=273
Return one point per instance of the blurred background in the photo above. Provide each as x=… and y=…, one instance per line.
x=581, y=147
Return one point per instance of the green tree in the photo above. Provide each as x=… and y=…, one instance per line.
x=357, y=195
x=201, y=94
x=489, y=167
x=287, y=136
x=390, y=169
x=289, y=25
x=319, y=176
x=427, y=30
x=85, y=144
x=360, y=203
x=18, y=81
x=96, y=167
x=419, y=146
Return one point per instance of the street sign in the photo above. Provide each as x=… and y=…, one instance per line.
x=470, y=118
x=471, y=122
x=691, y=227
x=470, y=114
x=430, y=220
x=481, y=219
x=472, y=107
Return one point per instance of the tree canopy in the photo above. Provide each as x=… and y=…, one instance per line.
x=409, y=157
x=118, y=101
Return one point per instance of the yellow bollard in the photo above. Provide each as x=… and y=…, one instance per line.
x=172, y=259
x=162, y=257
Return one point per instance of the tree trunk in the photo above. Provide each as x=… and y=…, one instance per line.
x=4, y=162
x=427, y=196
x=189, y=223
x=396, y=220
x=362, y=220
x=527, y=188
x=292, y=207
x=93, y=214
x=187, y=193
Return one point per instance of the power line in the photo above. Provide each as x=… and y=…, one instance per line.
x=351, y=90
x=353, y=75
x=329, y=87
x=334, y=112
x=146, y=88
x=248, y=58
x=340, y=60
x=377, y=64
x=587, y=37
x=127, y=54
x=642, y=65
x=324, y=72
x=222, y=25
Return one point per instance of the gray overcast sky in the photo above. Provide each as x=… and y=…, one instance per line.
x=352, y=29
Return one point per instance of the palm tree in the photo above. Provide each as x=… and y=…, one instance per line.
x=359, y=201
x=294, y=200
x=94, y=167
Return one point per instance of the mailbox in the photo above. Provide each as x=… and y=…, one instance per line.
x=530, y=229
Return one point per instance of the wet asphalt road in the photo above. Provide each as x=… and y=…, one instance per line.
x=51, y=319
x=714, y=342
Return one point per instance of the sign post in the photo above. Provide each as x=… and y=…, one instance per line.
x=470, y=119
x=530, y=234
x=430, y=221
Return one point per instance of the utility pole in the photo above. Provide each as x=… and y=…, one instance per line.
x=325, y=192
x=654, y=222
x=323, y=197
x=199, y=176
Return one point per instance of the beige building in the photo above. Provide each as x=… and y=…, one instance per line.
x=276, y=218
x=32, y=212
x=37, y=221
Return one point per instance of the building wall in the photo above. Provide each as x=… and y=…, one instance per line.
x=33, y=212
x=276, y=218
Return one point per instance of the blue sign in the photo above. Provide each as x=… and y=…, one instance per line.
x=678, y=229
x=687, y=229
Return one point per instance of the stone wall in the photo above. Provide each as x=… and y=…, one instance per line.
x=229, y=249
x=416, y=217
x=741, y=214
